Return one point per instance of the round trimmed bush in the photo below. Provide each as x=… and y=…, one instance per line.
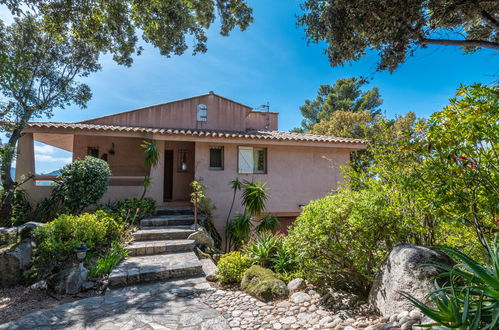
x=231, y=267
x=84, y=183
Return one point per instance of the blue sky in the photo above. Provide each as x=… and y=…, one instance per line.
x=271, y=62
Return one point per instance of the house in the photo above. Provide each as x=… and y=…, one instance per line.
x=206, y=136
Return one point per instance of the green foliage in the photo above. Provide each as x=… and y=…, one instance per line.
x=206, y=208
x=57, y=239
x=236, y=185
x=131, y=210
x=84, y=182
x=345, y=96
x=103, y=265
x=340, y=241
x=461, y=158
x=151, y=153
x=38, y=73
x=262, y=249
x=396, y=29
x=113, y=26
x=239, y=229
x=254, y=197
x=231, y=267
x=268, y=223
x=471, y=298
x=21, y=208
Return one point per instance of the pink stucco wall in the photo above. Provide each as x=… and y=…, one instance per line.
x=295, y=175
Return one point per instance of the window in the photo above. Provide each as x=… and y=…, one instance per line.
x=93, y=151
x=201, y=112
x=216, y=158
x=182, y=160
x=252, y=160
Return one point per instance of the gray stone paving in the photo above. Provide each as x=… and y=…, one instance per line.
x=167, y=305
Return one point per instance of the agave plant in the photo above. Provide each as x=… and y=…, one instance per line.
x=471, y=299
x=262, y=248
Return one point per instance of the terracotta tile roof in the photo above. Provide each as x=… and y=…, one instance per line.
x=269, y=135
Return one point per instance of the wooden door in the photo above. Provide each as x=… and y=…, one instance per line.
x=168, y=186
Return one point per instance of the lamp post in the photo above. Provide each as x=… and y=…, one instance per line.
x=81, y=252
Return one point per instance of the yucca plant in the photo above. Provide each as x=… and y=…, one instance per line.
x=471, y=299
x=239, y=229
x=262, y=249
x=254, y=197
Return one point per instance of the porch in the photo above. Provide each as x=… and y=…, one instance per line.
x=170, y=178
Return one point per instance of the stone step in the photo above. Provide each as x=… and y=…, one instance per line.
x=162, y=233
x=175, y=210
x=142, y=248
x=168, y=220
x=158, y=267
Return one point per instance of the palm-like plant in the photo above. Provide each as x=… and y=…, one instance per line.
x=151, y=159
x=254, y=197
x=239, y=229
x=471, y=299
x=268, y=223
x=236, y=186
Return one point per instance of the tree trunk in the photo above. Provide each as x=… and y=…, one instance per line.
x=7, y=181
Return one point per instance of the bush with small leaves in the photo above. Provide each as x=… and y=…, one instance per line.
x=84, y=182
x=231, y=267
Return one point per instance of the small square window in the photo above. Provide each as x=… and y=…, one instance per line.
x=93, y=151
x=216, y=158
x=182, y=160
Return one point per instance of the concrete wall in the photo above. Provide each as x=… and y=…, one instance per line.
x=128, y=158
x=266, y=121
x=222, y=114
x=295, y=175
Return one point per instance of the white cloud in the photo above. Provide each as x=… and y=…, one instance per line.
x=49, y=158
x=44, y=150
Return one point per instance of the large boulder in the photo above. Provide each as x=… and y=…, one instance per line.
x=262, y=284
x=13, y=262
x=69, y=280
x=403, y=271
x=202, y=237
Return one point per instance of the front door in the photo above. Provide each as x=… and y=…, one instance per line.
x=168, y=187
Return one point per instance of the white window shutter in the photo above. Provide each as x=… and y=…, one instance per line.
x=245, y=160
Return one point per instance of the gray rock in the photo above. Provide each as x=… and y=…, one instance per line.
x=8, y=235
x=297, y=284
x=40, y=285
x=202, y=237
x=88, y=285
x=13, y=262
x=68, y=281
x=211, y=277
x=403, y=272
x=299, y=297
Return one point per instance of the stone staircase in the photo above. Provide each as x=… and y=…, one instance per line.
x=160, y=250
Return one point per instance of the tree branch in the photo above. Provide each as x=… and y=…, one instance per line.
x=489, y=20
x=465, y=43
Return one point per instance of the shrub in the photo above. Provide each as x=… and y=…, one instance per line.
x=21, y=208
x=262, y=249
x=131, y=210
x=471, y=298
x=206, y=208
x=111, y=258
x=340, y=241
x=57, y=240
x=231, y=267
x=84, y=183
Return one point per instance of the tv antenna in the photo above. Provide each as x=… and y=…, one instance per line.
x=263, y=106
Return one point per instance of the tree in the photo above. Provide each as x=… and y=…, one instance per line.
x=345, y=95
x=112, y=26
x=394, y=29
x=37, y=74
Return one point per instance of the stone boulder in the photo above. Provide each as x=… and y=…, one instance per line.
x=403, y=272
x=13, y=262
x=262, y=284
x=8, y=235
x=202, y=237
x=297, y=284
x=68, y=281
